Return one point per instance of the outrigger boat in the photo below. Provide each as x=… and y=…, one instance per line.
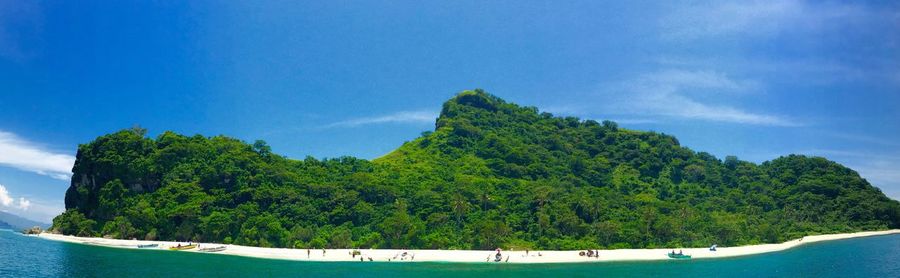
x=182, y=247
x=678, y=255
x=148, y=246
x=212, y=249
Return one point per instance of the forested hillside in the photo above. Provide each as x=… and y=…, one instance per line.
x=491, y=174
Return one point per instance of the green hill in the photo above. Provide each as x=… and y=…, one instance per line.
x=491, y=174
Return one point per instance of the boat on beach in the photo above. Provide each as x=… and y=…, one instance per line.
x=142, y=246
x=212, y=249
x=182, y=247
x=678, y=256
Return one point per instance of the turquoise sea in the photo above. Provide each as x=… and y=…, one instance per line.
x=23, y=256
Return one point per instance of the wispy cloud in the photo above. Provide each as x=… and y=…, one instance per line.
x=821, y=71
x=796, y=25
x=745, y=18
x=398, y=117
x=27, y=156
x=698, y=79
x=678, y=94
x=864, y=139
x=43, y=210
x=583, y=111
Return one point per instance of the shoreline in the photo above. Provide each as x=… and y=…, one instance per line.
x=463, y=256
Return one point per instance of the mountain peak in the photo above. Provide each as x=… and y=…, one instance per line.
x=471, y=99
x=471, y=102
x=477, y=98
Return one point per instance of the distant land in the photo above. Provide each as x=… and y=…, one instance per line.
x=491, y=174
x=18, y=223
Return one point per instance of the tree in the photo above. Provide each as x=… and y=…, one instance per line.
x=610, y=125
x=626, y=179
x=73, y=222
x=606, y=232
x=490, y=234
x=216, y=225
x=341, y=238
x=399, y=228
x=111, y=195
x=120, y=228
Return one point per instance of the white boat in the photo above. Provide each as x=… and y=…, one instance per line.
x=148, y=246
x=212, y=249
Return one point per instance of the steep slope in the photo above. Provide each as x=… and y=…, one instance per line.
x=490, y=174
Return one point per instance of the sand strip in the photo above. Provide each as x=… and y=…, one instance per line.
x=392, y=255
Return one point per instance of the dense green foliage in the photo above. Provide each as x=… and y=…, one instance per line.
x=491, y=174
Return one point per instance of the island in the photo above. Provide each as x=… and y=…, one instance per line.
x=491, y=177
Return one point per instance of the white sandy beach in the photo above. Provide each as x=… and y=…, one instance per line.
x=384, y=255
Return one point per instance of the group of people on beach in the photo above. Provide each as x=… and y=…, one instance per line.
x=188, y=244
x=309, y=251
x=590, y=253
x=403, y=255
x=354, y=253
x=527, y=254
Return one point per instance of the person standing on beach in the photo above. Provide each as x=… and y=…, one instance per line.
x=307, y=253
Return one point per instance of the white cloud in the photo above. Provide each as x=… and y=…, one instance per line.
x=37, y=209
x=675, y=94
x=399, y=117
x=5, y=199
x=27, y=156
x=24, y=204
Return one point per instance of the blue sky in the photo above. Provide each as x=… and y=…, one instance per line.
x=755, y=79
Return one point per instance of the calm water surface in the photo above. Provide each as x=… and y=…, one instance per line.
x=23, y=256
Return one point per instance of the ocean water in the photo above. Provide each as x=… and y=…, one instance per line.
x=23, y=256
